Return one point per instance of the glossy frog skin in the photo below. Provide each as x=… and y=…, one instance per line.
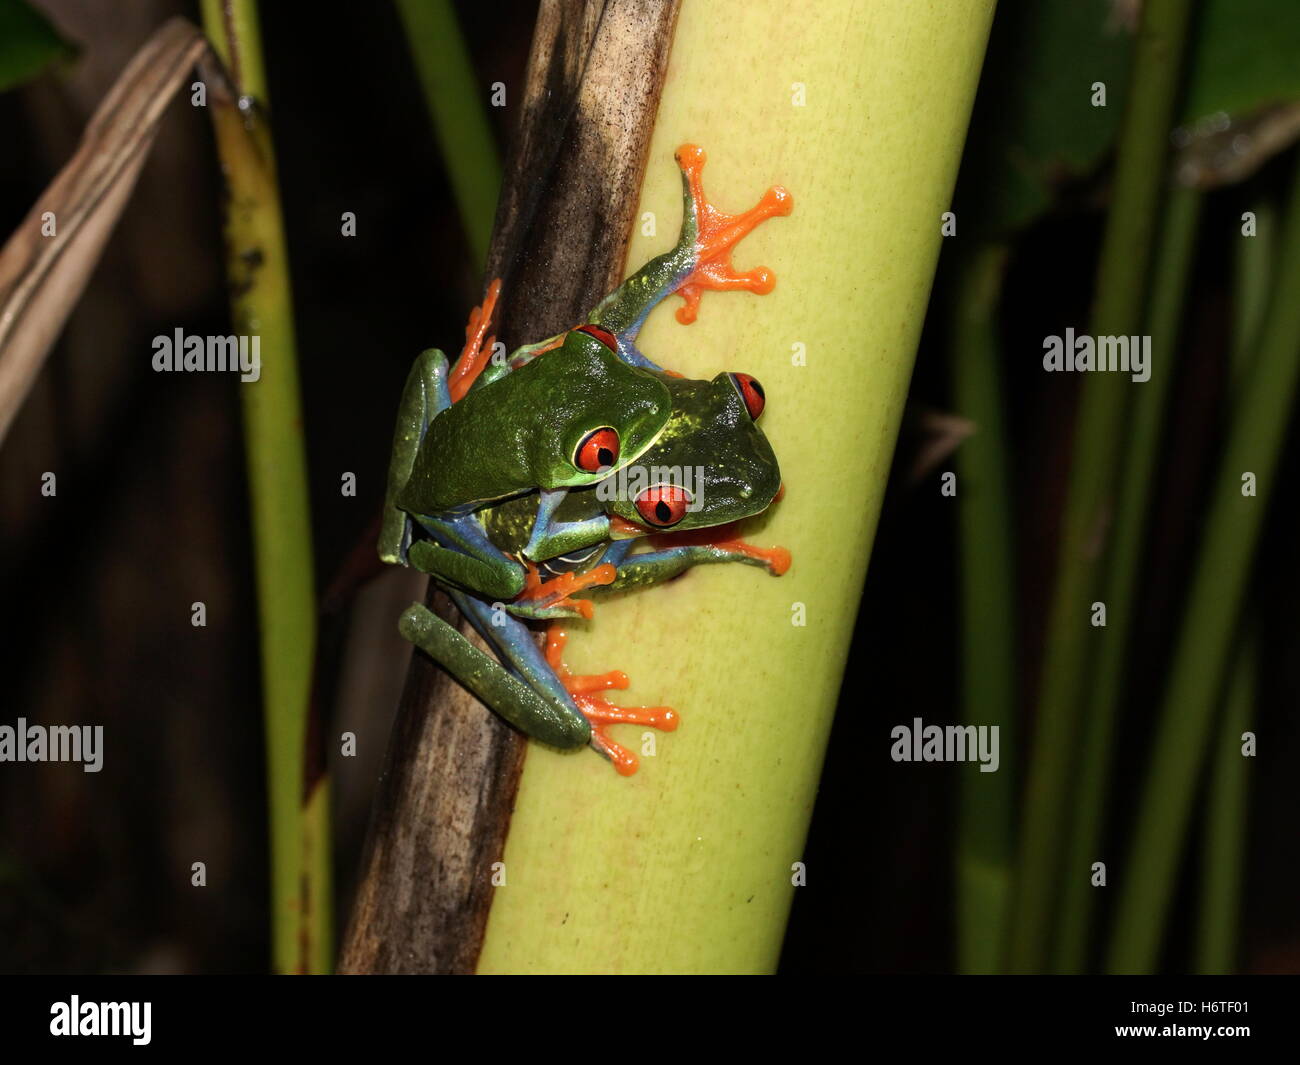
x=711, y=466
x=563, y=419
x=711, y=428
x=495, y=467
x=524, y=431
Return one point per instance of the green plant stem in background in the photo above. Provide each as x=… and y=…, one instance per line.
x=460, y=123
x=1257, y=432
x=1223, y=860
x=1223, y=853
x=261, y=305
x=1173, y=265
x=1098, y=440
x=985, y=817
x=1252, y=275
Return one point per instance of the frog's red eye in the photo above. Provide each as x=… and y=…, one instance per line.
x=598, y=450
x=662, y=505
x=751, y=392
x=601, y=334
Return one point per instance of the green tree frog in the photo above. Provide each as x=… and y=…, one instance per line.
x=495, y=464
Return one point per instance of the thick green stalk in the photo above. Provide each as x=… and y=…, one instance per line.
x=1168, y=295
x=985, y=818
x=1257, y=432
x=459, y=119
x=1098, y=440
x=262, y=306
x=692, y=864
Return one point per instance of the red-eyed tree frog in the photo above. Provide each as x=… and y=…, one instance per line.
x=476, y=443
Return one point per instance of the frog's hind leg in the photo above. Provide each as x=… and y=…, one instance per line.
x=516, y=645
x=538, y=713
x=598, y=710
x=424, y=396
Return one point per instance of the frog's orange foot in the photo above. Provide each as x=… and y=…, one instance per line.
x=478, y=346
x=776, y=559
x=600, y=711
x=718, y=235
x=555, y=593
x=725, y=538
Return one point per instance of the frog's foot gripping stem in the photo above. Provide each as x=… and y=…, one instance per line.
x=675, y=553
x=718, y=234
x=599, y=711
x=551, y=598
x=478, y=345
x=775, y=559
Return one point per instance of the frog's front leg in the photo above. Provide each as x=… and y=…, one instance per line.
x=655, y=567
x=550, y=538
x=461, y=554
x=700, y=260
x=423, y=396
x=544, y=599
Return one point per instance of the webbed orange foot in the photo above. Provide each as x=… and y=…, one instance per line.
x=554, y=594
x=718, y=235
x=478, y=346
x=776, y=559
x=726, y=539
x=598, y=710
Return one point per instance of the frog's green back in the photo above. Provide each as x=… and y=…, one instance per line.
x=520, y=432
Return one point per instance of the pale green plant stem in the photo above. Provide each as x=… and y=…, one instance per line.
x=691, y=866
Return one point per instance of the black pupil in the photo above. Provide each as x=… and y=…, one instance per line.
x=663, y=511
x=758, y=388
x=605, y=457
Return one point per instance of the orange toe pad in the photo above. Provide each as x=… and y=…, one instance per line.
x=600, y=711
